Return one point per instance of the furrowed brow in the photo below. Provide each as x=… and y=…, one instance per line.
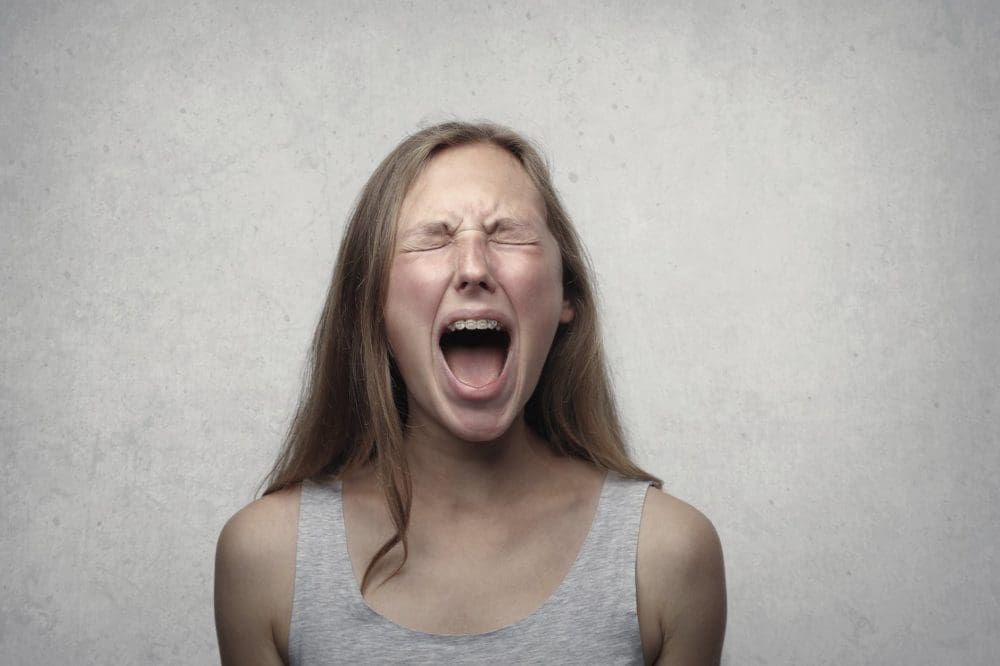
x=435, y=228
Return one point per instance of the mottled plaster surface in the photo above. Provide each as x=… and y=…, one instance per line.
x=792, y=209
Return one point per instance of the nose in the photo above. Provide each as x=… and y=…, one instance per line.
x=472, y=268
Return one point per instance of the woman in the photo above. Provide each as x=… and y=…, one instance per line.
x=454, y=487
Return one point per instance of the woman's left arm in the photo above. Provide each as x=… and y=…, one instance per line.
x=681, y=583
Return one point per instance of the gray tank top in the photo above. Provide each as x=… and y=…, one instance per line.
x=590, y=618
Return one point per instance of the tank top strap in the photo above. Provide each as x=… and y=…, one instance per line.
x=323, y=573
x=603, y=575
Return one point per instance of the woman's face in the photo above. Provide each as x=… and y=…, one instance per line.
x=475, y=292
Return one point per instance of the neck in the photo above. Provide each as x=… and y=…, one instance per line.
x=461, y=475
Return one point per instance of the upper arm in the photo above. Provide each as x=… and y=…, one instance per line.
x=254, y=581
x=681, y=581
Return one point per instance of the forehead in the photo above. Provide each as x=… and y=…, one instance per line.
x=471, y=183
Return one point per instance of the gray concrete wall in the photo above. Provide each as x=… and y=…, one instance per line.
x=792, y=208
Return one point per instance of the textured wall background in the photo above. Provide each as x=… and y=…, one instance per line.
x=792, y=209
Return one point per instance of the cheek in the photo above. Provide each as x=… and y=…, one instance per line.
x=410, y=283
x=399, y=305
x=538, y=283
x=412, y=299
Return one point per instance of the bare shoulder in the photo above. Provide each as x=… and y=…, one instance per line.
x=264, y=523
x=254, y=580
x=678, y=535
x=680, y=579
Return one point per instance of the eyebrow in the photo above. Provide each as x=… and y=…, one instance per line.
x=510, y=221
x=433, y=227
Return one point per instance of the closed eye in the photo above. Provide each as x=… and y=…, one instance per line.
x=431, y=236
x=513, y=232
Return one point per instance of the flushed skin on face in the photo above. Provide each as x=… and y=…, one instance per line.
x=472, y=243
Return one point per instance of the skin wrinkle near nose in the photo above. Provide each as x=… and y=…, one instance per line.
x=462, y=231
x=486, y=228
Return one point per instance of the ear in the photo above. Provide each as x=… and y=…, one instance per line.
x=567, y=313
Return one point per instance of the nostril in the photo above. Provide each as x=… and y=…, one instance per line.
x=482, y=284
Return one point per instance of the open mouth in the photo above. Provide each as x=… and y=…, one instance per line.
x=475, y=350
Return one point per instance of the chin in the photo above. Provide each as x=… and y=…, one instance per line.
x=479, y=428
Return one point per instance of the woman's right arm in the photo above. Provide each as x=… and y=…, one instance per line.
x=254, y=581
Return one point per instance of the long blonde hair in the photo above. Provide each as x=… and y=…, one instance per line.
x=353, y=407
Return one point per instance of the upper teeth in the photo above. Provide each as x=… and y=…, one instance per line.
x=475, y=324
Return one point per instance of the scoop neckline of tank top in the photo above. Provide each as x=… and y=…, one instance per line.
x=358, y=600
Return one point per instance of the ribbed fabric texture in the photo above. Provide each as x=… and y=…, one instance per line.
x=590, y=619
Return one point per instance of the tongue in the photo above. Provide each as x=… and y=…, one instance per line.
x=475, y=366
